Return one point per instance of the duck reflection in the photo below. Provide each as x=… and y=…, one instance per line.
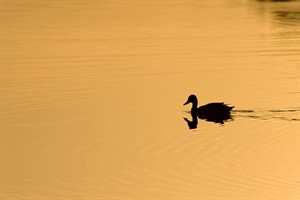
x=192, y=124
x=212, y=112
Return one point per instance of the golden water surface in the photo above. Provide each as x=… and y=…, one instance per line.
x=92, y=99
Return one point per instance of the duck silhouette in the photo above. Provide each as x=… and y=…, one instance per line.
x=214, y=112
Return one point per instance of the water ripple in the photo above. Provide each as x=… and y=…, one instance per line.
x=289, y=114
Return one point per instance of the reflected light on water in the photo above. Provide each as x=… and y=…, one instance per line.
x=92, y=99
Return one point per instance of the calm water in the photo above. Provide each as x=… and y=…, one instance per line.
x=92, y=96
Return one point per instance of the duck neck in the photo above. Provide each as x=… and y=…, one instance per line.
x=194, y=106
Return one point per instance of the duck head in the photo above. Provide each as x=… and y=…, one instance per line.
x=192, y=99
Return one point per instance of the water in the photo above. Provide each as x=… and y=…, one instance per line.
x=92, y=95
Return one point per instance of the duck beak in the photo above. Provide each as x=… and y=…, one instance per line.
x=186, y=102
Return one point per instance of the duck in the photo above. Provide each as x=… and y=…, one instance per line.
x=216, y=112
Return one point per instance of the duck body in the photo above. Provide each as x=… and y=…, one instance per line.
x=216, y=112
x=213, y=109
